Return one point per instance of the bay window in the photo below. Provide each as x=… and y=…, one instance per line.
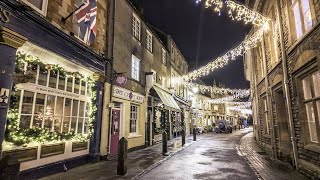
x=50, y=100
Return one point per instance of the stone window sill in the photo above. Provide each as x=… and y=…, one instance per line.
x=132, y=136
x=312, y=147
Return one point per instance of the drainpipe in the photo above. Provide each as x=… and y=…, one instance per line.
x=286, y=88
x=268, y=96
x=111, y=52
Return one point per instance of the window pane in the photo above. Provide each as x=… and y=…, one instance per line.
x=316, y=83
x=67, y=107
x=76, y=85
x=59, y=106
x=86, y=125
x=307, y=88
x=39, y=111
x=36, y=3
x=32, y=71
x=318, y=109
x=297, y=18
x=81, y=109
x=53, y=79
x=312, y=122
x=25, y=122
x=66, y=121
x=43, y=75
x=28, y=98
x=69, y=84
x=73, y=124
x=306, y=13
x=75, y=108
x=57, y=123
x=48, y=120
x=80, y=125
x=83, y=87
x=62, y=82
x=87, y=109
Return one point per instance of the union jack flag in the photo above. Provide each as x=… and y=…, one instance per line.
x=86, y=17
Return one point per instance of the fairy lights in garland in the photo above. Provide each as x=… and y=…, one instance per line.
x=19, y=136
x=213, y=89
x=239, y=12
x=232, y=98
x=242, y=13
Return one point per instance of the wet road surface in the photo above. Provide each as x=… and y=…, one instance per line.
x=214, y=157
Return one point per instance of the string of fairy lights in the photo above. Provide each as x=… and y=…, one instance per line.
x=237, y=12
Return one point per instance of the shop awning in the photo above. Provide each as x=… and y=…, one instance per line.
x=167, y=99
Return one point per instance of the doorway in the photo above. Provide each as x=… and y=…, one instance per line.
x=284, y=145
x=115, y=131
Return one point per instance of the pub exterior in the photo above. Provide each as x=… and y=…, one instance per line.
x=51, y=87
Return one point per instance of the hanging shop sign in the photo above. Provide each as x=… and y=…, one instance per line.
x=121, y=80
x=127, y=95
x=4, y=15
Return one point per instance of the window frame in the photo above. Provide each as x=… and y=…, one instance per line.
x=136, y=27
x=313, y=100
x=55, y=116
x=303, y=24
x=137, y=108
x=149, y=41
x=164, y=56
x=135, y=72
x=42, y=11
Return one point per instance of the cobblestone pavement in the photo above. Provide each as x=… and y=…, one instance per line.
x=138, y=162
x=214, y=157
x=263, y=166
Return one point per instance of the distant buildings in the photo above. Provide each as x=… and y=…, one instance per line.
x=284, y=75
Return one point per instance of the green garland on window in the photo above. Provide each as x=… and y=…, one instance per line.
x=19, y=136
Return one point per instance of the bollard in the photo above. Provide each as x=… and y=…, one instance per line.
x=164, y=143
x=122, y=157
x=194, y=134
x=183, y=134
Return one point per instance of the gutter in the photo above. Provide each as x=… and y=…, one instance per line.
x=286, y=88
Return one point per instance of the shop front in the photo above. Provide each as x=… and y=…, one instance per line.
x=128, y=119
x=51, y=96
x=164, y=114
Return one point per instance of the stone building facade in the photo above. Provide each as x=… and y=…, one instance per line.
x=284, y=75
x=51, y=84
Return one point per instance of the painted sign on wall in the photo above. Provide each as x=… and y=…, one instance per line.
x=127, y=95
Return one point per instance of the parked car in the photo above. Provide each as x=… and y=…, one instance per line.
x=223, y=126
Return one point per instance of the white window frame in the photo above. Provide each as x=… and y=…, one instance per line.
x=134, y=116
x=300, y=21
x=135, y=68
x=56, y=96
x=154, y=76
x=266, y=117
x=42, y=11
x=164, y=56
x=136, y=26
x=149, y=41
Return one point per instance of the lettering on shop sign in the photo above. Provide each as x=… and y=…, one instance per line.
x=4, y=15
x=128, y=95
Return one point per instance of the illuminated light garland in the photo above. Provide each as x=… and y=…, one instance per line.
x=217, y=3
x=17, y=136
x=239, y=12
x=213, y=89
x=229, y=98
x=222, y=61
x=242, y=13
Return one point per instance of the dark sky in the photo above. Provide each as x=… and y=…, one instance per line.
x=181, y=19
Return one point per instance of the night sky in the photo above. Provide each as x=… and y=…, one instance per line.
x=181, y=19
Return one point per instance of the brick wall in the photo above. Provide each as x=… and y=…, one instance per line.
x=59, y=8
